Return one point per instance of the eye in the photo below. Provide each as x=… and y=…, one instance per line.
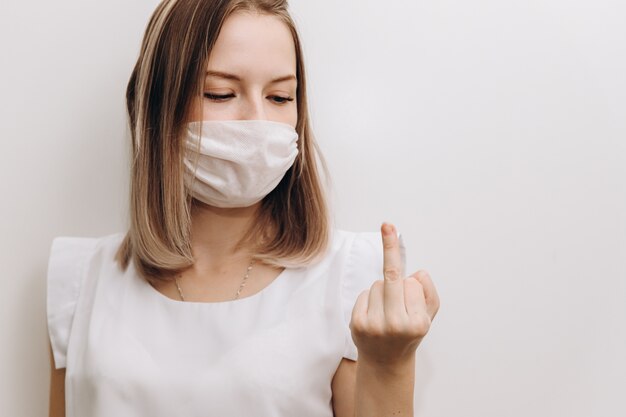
x=218, y=97
x=281, y=100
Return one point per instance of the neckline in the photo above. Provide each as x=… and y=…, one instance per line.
x=241, y=300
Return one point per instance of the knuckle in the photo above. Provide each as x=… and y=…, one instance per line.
x=389, y=244
x=357, y=324
x=395, y=326
x=421, y=325
x=412, y=284
x=422, y=273
x=435, y=310
x=376, y=329
x=391, y=273
x=378, y=284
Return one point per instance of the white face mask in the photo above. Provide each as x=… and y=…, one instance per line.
x=239, y=161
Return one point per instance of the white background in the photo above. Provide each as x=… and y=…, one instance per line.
x=491, y=132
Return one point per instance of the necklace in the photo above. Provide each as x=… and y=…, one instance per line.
x=243, y=283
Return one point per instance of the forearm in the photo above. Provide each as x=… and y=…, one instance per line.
x=384, y=391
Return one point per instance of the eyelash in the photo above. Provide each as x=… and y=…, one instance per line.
x=217, y=97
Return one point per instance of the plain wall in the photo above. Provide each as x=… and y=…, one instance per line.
x=492, y=133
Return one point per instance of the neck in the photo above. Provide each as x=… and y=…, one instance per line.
x=216, y=231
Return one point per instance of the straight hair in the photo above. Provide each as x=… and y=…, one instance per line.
x=292, y=226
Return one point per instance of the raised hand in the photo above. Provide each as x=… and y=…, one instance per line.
x=391, y=318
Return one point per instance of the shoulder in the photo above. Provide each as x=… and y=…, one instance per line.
x=79, y=247
x=342, y=239
x=363, y=246
x=82, y=247
x=68, y=261
x=362, y=256
x=351, y=257
x=361, y=251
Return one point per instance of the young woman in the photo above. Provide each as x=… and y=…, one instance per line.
x=231, y=294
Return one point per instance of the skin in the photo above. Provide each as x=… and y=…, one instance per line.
x=257, y=49
x=388, y=321
x=56, y=406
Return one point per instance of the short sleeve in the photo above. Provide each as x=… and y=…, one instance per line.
x=66, y=268
x=363, y=266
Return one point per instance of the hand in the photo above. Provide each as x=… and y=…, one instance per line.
x=391, y=318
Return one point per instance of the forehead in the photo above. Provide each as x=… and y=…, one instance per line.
x=254, y=45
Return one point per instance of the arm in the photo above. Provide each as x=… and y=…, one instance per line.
x=384, y=391
x=343, y=385
x=57, y=389
x=374, y=391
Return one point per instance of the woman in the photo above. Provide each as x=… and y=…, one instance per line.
x=231, y=294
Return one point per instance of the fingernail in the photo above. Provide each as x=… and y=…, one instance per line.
x=387, y=229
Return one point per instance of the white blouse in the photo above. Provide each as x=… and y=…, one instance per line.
x=129, y=350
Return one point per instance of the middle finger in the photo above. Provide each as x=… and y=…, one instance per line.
x=393, y=270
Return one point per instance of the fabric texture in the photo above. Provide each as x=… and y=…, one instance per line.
x=68, y=257
x=129, y=350
x=236, y=163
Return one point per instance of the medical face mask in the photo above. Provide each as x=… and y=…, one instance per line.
x=238, y=161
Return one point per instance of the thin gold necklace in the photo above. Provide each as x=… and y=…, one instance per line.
x=243, y=283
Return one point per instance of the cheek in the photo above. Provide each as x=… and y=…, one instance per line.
x=295, y=112
x=218, y=111
x=290, y=116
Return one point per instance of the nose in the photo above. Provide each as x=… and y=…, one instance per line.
x=254, y=109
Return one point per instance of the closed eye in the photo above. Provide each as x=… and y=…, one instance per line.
x=219, y=98
x=282, y=100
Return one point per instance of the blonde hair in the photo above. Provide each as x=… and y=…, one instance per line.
x=292, y=227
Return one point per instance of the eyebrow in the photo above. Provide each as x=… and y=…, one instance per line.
x=228, y=76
